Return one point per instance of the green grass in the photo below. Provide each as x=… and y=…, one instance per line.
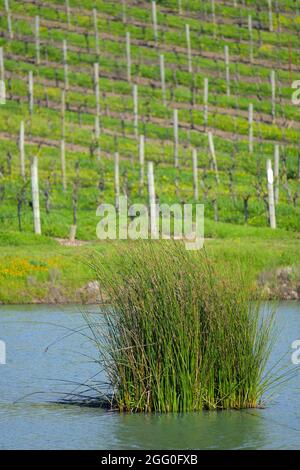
x=183, y=332
x=65, y=269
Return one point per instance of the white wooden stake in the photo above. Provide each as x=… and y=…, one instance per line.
x=188, y=44
x=270, y=178
x=135, y=111
x=213, y=155
x=205, y=100
x=142, y=161
x=124, y=11
x=180, y=7
x=226, y=52
x=63, y=112
x=128, y=56
x=68, y=14
x=152, y=201
x=9, y=22
x=37, y=39
x=63, y=164
x=1, y=64
x=117, y=182
x=97, y=90
x=195, y=175
x=2, y=92
x=213, y=14
x=98, y=110
x=154, y=20
x=273, y=86
x=22, y=149
x=250, y=29
x=276, y=172
x=97, y=137
x=250, y=124
x=30, y=91
x=65, y=62
x=270, y=16
x=2, y=80
x=35, y=196
x=95, y=21
x=162, y=78
x=176, y=139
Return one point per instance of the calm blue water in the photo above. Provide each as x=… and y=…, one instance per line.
x=33, y=377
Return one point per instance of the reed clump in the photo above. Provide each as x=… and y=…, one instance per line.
x=183, y=333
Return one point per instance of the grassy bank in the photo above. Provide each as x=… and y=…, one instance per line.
x=39, y=269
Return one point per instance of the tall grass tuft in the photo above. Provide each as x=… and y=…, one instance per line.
x=183, y=334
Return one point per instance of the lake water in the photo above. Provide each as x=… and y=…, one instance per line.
x=34, y=378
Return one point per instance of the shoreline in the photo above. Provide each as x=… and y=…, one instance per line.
x=280, y=284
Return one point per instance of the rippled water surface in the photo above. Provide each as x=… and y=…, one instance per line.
x=33, y=377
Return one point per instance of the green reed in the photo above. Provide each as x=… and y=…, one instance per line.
x=183, y=333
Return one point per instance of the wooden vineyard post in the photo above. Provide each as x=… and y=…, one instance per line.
x=213, y=155
x=22, y=149
x=142, y=162
x=9, y=22
x=73, y=228
x=68, y=14
x=35, y=196
x=250, y=125
x=179, y=7
x=65, y=62
x=128, y=56
x=195, y=175
x=162, y=78
x=227, y=69
x=250, y=29
x=2, y=79
x=95, y=22
x=135, y=111
x=30, y=92
x=270, y=178
x=273, y=87
x=188, y=44
x=63, y=113
x=37, y=39
x=215, y=207
x=72, y=234
x=124, y=11
x=63, y=165
x=276, y=172
x=270, y=16
x=176, y=139
x=205, y=100
x=213, y=15
x=152, y=201
x=98, y=111
x=62, y=143
x=154, y=20
x=117, y=182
